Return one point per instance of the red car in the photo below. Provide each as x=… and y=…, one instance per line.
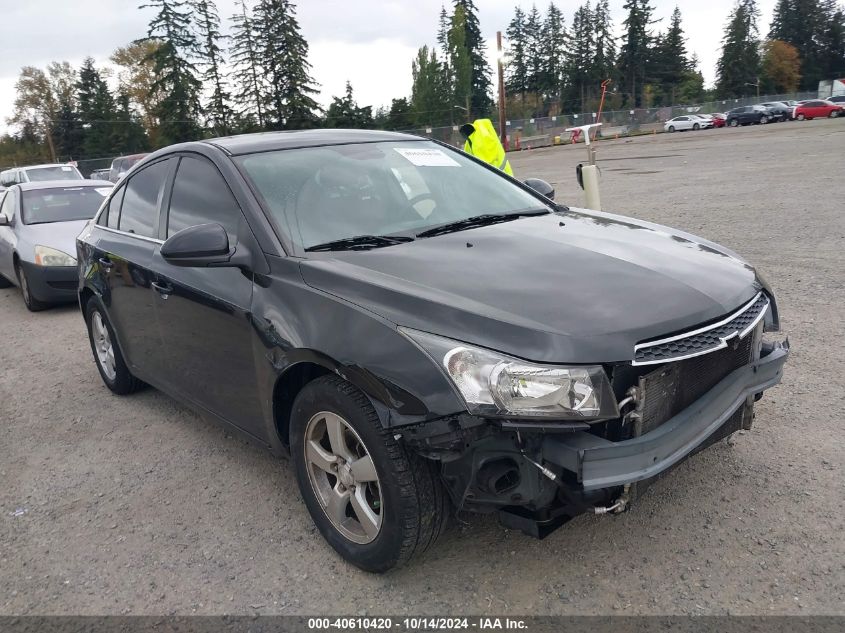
x=817, y=109
x=718, y=119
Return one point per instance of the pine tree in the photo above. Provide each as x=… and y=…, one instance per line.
x=247, y=75
x=802, y=23
x=283, y=55
x=96, y=111
x=400, y=115
x=739, y=64
x=176, y=84
x=554, y=52
x=833, y=44
x=217, y=108
x=129, y=135
x=344, y=112
x=579, y=59
x=68, y=132
x=636, y=49
x=429, y=94
x=604, y=60
x=460, y=65
x=480, y=70
x=516, y=71
x=670, y=65
x=534, y=51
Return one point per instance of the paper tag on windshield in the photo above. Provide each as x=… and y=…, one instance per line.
x=67, y=168
x=425, y=157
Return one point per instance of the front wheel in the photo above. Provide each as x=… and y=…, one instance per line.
x=733, y=123
x=833, y=114
x=671, y=128
x=696, y=127
x=800, y=117
x=32, y=304
x=107, y=355
x=377, y=504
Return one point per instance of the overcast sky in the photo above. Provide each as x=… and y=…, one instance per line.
x=369, y=42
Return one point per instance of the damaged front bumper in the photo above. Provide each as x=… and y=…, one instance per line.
x=599, y=463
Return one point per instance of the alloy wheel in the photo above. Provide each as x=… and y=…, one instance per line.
x=343, y=477
x=103, y=345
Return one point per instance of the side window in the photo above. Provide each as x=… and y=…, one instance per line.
x=139, y=212
x=201, y=196
x=8, y=208
x=111, y=215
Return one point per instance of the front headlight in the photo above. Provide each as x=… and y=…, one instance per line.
x=498, y=385
x=46, y=256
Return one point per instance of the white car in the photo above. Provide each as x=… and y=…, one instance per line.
x=686, y=122
x=38, y=173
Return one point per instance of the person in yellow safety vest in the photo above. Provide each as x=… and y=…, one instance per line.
x=483, y=143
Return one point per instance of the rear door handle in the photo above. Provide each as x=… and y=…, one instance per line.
x=105, y=262
x=163, y=289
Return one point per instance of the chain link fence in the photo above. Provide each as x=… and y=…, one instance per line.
x=544, y=131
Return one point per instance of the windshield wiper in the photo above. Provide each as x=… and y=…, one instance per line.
x=361, y=242
x=484, y=219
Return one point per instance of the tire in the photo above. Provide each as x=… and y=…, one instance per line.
x=733, y=123
x=762, y=120
x=406, y=500
x=801, y=117
x=116, y=374
x=671, y=129
x=833, y=114
x=5, y=283
x=32, y=304
x=696, y=127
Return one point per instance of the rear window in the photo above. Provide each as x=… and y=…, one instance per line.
x=55, y=172
x=42, y=206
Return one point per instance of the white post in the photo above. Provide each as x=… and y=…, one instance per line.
x=589, y=172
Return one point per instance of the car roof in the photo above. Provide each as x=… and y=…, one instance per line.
x=269, y=141
x=56, y=184
x=142, y=155
x=45, y=165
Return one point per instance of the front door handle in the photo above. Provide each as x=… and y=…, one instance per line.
x=163, y=289
x=106, y=263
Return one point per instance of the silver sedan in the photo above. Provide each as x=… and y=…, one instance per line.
x=39, y=222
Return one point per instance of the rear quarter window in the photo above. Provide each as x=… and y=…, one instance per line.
x=141, y=198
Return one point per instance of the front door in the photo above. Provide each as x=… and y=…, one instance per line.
x=204, y=312
x=123, y=256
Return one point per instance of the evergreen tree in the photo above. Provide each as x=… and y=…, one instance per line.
x=554, y=52
x=635, y=53
x=247, y=75
x=670, y=66
x=175, y=85
x=129, y=135
x=429, y=95
x=217, y=107
x=283, y=55
x=400, y=116
x=460, y=65
x=739, y=64
x=68, y=132
x=833, y=44
x=516, y=72
x=344, y=112
x=480, y=70
x=96, y=110
x=579, y=59
x=802, y=23
x=535, y=80
x=604, y=60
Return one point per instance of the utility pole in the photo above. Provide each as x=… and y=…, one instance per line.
x=501, y=68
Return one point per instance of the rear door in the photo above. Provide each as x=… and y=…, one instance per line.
x=7, y=235
x=123, y=256
x=204, y=312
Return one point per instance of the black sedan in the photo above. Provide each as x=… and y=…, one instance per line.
x=422, y=333
x=779, y=110
x=746, y=115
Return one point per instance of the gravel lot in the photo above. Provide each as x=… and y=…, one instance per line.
x=136, y=505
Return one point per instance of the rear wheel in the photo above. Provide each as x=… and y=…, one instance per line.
x=696, y=127
x=107, y=355
x=32, y=304
x=375, y=503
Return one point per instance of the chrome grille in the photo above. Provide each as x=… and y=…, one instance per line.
x=703, y=340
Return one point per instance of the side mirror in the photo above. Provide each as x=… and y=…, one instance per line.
x=200, y=245
x=541, y=187
x=4, y=221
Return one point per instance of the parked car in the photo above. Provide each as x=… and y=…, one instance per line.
x=685, y=122
x=39, y=173
x=419, y=330
x=747, y=115
x=779, y=110
x=840, y=99
x=100, y=174
x=706, y=120
x=818, y=108
x=39, y=222
x=718, y=119
x=121, y=165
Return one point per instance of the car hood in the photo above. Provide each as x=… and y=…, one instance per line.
x=579, y=286
x=58, y=235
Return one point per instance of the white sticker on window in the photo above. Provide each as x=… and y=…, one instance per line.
x=65, y=168
x=424, y=157
x=103, y=191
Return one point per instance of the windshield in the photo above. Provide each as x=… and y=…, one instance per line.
x=54, y=172
x=41, y=206
x=321, y=194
